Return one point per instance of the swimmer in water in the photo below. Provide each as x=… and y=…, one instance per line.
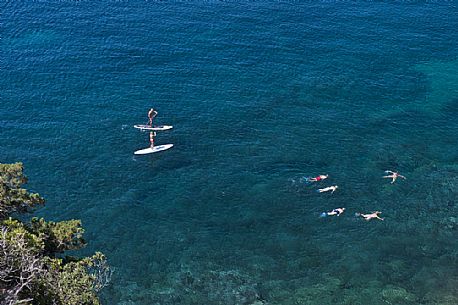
x=151, y=115
x=337, y=212
x=373, y=215
x=393, y=176
x=152, y=134
x=327, y=189
x=317, y=178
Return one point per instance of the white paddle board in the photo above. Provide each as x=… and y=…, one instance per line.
x=150, y=150
x=155, y=128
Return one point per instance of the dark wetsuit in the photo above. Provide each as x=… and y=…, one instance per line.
x=337, y=211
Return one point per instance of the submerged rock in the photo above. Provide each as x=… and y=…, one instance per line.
x=441, y=300
x=218, y=287
x=395, y=295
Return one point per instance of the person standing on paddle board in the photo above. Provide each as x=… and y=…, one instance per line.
x=152, y=134
x=151, y=115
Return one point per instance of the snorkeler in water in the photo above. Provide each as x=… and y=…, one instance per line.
x=317, y=178
x=373, y=215
x=337, y=212
x=327, y=189
x=393, y=176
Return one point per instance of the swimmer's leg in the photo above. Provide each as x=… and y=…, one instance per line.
x=305, y=180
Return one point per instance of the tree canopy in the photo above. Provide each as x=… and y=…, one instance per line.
x=33, y=269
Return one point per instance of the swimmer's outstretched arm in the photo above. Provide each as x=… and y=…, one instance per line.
x=376, y=215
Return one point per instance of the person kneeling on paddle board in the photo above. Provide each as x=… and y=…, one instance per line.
x=152, y=134
x=151, y=115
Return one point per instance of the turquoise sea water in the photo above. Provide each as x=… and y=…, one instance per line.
x=260, y=94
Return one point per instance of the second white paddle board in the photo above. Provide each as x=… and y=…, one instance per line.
x=150, y=150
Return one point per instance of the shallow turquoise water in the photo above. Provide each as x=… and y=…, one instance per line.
x=260, y=95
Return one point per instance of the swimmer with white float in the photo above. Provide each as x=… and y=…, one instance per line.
x=337, y=212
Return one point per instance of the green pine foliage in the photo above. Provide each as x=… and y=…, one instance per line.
x=59, y=236
x=32, y=268
x=13, y=198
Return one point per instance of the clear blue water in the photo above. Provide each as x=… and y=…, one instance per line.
x=260, y=94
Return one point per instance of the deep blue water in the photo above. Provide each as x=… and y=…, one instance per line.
x=260, y=94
